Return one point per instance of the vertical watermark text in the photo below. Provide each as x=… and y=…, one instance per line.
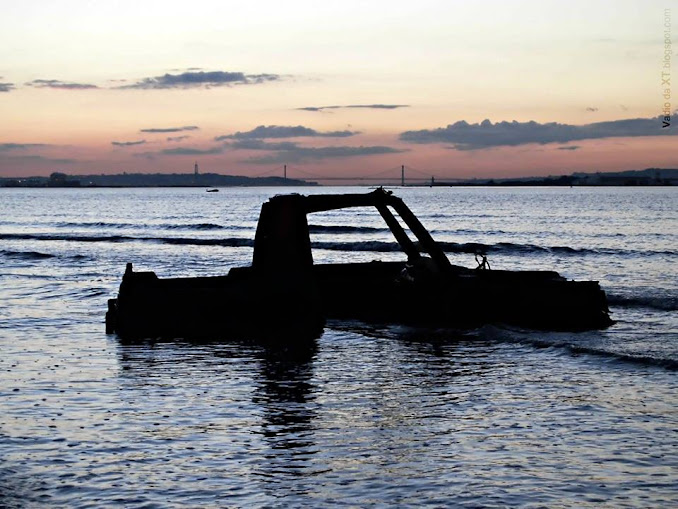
x=666, y=71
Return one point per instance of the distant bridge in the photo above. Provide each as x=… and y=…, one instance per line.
x=397, y=175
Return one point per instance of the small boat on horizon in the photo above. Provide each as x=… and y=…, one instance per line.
x=213, y=190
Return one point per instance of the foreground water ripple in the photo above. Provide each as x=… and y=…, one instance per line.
x=370, y=415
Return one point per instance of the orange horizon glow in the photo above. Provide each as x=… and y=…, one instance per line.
x=80, y=88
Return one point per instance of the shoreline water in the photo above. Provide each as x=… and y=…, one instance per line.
x=486, y=417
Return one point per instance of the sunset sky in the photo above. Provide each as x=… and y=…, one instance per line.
x=448, y=88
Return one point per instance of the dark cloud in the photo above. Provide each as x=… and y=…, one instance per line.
x=177, y=138
x=591, y=109
x=369, y=106
x=169, y=129
x=261, y=145
x=184, y=151
x=187, y=69
x=6, y=87
x=44, y=159
x=127, y=143
x=292, y=152
x=180, y=151
x=193, y=79
x=377, y=106
x=569, y=147
x=279, y=131
x=19, y=146
x=7, y=148
x=465, y=136
x=60, y=85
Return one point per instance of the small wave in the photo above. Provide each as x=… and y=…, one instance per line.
x=510, y=247
x=227, y=242
x=95, y=224
x=318, y=228
x=451, y=247
x=199, y=226
x=368, y=245
x=99, y=224
x=644, y=360
x=378, y=246
x=63, y=292
x=467, y=247
x=35, y=255
x=521, y=337
x=26, y=255
x=661, y=303
x=470, y=231
x=94, y=293
x=448, y=247
x=75, y=238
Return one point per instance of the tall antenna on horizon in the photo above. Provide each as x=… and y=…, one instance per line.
x=195, y=169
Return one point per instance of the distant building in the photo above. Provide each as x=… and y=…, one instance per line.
x=646, y=178
x=58, y=179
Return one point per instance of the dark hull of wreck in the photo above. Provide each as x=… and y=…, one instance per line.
x=237, y=306
x=284, y=297
x=462, y=298
x=247, y=304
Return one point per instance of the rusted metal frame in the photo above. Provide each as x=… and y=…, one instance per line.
x=321, y=203
x=425, y=240
x=399, y=233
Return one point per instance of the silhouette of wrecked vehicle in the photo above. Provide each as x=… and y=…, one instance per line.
x=283, y=294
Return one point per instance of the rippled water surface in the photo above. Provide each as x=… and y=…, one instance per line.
x=367, y=415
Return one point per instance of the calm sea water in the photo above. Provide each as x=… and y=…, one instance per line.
x=389, y=415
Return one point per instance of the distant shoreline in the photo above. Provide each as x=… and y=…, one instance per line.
x=123, y=180
x=388, y=185
x=649, y=177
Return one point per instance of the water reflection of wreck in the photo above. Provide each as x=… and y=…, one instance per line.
x=284, y=294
